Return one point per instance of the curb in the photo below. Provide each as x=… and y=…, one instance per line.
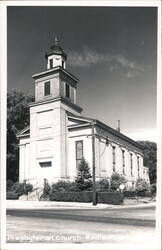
x=10, y=204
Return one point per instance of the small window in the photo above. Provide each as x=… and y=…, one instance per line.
x=67, y=90
x=51, y=63
x=79, y=152
x=45, y=164
x=47, y=89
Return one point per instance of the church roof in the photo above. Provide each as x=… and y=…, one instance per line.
x=106, y=128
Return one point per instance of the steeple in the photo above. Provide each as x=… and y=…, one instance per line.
x=56, y=84
x=55, y=55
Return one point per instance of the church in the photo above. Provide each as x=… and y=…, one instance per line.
x=58, y=136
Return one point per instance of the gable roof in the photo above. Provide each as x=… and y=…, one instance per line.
x=88, y=121
x=76, y=122
x=24, y=132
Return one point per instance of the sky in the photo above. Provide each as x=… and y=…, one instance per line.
x=112, y=50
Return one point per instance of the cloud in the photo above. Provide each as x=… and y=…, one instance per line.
x=88, y=58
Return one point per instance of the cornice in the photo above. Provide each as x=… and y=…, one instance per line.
x=55, y=99
x=55, y=70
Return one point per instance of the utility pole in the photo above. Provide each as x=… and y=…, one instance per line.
x=93, y=165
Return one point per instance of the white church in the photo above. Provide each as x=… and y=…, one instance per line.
x=59, y=136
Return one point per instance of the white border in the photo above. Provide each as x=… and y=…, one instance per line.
x=3, y=85
x=159, y=132
x=114, y=3
x=3, y=78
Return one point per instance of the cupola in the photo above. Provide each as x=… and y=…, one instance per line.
x=56, y=56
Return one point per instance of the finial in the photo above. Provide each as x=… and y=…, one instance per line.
x=56, y=40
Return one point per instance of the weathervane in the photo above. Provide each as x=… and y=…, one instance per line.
x=56, y=40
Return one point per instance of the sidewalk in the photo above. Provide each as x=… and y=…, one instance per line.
x=18, y=204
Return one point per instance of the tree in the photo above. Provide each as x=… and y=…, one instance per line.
x=17, y=119
x=115, y=181
x=150, y=158
x=83, y=179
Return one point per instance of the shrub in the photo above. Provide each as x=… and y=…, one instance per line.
x=85, y=196
x=18, y=189
x=102, y=184
x=46, y=189
x=116, y=180
x=12, y=196
x=62, y=186
x=28, y=188
x=83, y=179
x=115, y=198
x=9, y=184
x=153, y=189
x=130, y=193
x=142, y=187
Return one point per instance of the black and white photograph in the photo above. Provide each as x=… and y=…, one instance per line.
x=81, y=126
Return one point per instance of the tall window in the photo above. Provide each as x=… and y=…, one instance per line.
x=79, y=151
x=114, y=158
x=131, y=163
x=47, y=89
x=123, y=160
x=138, y=166
x=67, y=90
x=51, y=63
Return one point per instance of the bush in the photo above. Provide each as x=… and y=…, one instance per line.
x=46, y=192
x=12, y=196
x=130, y=193
x=153, y=189
x=46, y=189
x=115, y=198
x=63, y=186
x=116, y=180
x=9, y=185
x=142, y=187
x=103, y=184
x=18, y=189
x=28, y=188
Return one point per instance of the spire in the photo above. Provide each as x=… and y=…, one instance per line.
x=56, y=40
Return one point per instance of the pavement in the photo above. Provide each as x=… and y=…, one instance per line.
x=129, y=226
x=19, y=204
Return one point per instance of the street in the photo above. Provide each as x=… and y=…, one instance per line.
x=127, y=225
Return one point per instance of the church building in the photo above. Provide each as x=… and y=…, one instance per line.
x=58, y=136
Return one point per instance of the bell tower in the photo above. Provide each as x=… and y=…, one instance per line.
x=56, y=82
x=55, y=98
